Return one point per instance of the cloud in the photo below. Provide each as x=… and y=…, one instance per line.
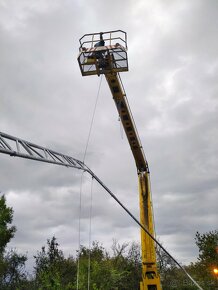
x=172, y=90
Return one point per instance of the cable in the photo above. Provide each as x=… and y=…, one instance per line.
x=79, y=224
x=138, y=222
x=93, y=115
x=90, y=234
x=80, y=204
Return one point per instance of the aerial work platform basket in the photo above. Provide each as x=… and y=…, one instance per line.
x=102, y=53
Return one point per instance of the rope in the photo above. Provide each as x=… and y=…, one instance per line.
x=90, y=234
x=80, y=202
x=93, y=115
x=79, y=225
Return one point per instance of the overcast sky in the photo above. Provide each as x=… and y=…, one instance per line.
x=172, y=90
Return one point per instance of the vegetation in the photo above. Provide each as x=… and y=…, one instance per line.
x=12, y=265
x=207, y=260
x=120, y=270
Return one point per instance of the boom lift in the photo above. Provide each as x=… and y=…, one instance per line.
x=106, y=53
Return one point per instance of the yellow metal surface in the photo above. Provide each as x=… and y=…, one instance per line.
x=127, y=120
x=104, y=63
x=150, y=276
x=90, y=60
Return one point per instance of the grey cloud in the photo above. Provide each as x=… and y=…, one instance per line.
x=172, y=90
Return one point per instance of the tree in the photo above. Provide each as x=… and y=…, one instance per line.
x=202, y=270
x=122, y=270
x=12, y=265
x=207, y=259
x=52, y=270
x=13, y=274
x=207, y=244
x=99, y=271
x=6, y=232
x=127, y=260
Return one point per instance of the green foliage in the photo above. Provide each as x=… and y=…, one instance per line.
x=13, y=274
x=121, y=271
x=52, y=270
x=12, y=265
x=201, y=271
x=6, y=217
x=207, y=259
x=207, y=244
x=172, y=277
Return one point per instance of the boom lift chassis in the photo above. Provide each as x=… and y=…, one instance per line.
x=106, y=53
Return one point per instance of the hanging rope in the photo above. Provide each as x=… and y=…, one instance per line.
x=80, y=201
x=90, y=234
x=93, y=115
x=79, y=225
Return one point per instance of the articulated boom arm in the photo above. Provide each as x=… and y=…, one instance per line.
x=106, y=53
x=150, y=275
x=127, y=120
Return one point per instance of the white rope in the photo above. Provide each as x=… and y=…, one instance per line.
x=80, y=202
x=93, y=115
x=79, y=225
x=90, y=234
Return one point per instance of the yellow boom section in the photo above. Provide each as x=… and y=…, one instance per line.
x=106, y=53
x=150, y=277
x=127, y=120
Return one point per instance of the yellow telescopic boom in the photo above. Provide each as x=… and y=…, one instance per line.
x=106, y=53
